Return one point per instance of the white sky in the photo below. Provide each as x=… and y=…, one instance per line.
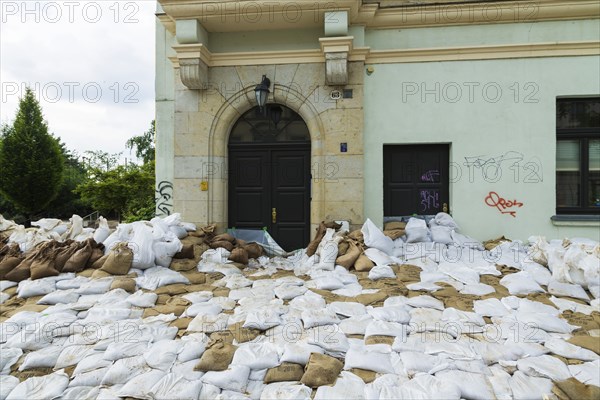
x=90, y=62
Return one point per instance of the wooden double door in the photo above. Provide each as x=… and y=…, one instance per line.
x=269, y=187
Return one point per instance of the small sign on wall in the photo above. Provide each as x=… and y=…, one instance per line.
x=204, y=186
x=344, y=147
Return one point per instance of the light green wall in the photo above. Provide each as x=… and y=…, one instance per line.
x=479, y=35
x=478, y=126
x=290, y=39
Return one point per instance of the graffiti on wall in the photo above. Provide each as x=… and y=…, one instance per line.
x=430, y=176
x=494, y=200
x=164, y=197
x=510, y=164
x=430, y=200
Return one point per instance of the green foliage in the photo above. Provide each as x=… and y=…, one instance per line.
x=144, y=144
x=30, y=159
x=124, y=190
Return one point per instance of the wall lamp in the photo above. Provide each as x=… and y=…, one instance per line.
x=262, y=91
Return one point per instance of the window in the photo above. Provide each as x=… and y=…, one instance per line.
x=578, y=156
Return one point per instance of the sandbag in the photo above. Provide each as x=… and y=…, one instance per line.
x=63, y=253
x=221, y=243
x=97, y=253
x=43, y=267
x=127, y=284
x=102, y=231
x=79, y=259
x=227, y=237
x=285, y=372
x=394, y=234
x=321, y=370
x=311, y=249
x=8, y=264
x=363, y=263
x=254, y=250
x=187, y=251
x=239, y=255
x=119, y=260
x=350, y=256
x=216, y=357
x=375, y=238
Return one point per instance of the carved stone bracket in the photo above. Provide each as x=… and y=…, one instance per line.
x=336, y=69
x=193, y=73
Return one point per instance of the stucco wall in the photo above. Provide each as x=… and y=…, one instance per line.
x=485, y=109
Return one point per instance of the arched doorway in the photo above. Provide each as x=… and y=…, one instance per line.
x=269, y=175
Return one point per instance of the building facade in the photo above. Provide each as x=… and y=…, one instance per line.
x=380, y=109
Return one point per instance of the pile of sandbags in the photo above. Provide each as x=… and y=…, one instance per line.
x=240, y=251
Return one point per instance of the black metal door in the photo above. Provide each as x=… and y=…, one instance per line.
x=269, y=186
x=415, y=179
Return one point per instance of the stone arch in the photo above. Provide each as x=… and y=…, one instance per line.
x=229, y=113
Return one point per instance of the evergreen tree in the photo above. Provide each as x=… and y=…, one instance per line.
x=31, y=163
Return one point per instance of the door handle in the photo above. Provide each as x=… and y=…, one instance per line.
x=274, y=215
x=445, y=207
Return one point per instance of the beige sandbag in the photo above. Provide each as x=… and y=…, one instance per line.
x=221, y=243
x=321, y=370
x=187, y=251
x=254, y=250
x=183, y=265
x=97, y=273
x=365, y=375
x=119, y=260
x=370, y=298
x=181, y=323
x=97, y=253
x=587, y=342
x=127, y=284
x=172, y=290
x=241, y=334
x=350, y=257
x=195, y=277
x=43, y=267
x=357, y=235
x=343, y=247
x=99, y=262
x=217, y=357
x=239, y=255
x=21, y=272
x=79, y=259
x=576, y=390
x=63, y=253
x=379, y=339
x=178, y=301
x=8, y=264
x=393, y=225
x=286, y=372
x=224, y=237
x=363, y=263
x=314, y=244
x=394, y=233
x=163, y=309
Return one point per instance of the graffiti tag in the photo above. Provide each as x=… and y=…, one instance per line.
x=164, y=191
x=430, y=199
x=430, y=175
x=493, y=199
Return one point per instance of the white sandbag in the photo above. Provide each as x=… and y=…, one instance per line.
x=528, y=387
x=102, y=232
x=164, y=251
x=44, y=358
x=347, y=309
x=465, y=241
x=7, y=384
x=141, y=299
x=374, y=237
x=312, y=318
x=327, y=251
x=424, y=386
x=451, y=314
x=9, y=357
x=179, y=231
x=141, y=245
x=172, y=386
x=43, y=387
x=299, y=353
x=417, y=231
x=384, y=328
x=208, y=323
x=398, y=314
x=91, y=362
x=564, y=304
x=95, y=286
x=587, y=372
x=187, y=371
x=4, y=297
x=204, y=309
x=355, y=325
x=425, y=301
x=256, y=356
x=521, y=283
x=75, y=227
x=418, y=362
x=123, y=370
x=81, y=393
x=546, y=322
x=544, y=367
x=60, y=297
x=381, y=272
x=71, y=355
x=472, y=386
x=39, y=287
x=368, y=359
x=198, y=297
x=529, y=306
x=477, y=289
x=347, y=386
x=325, y=283
x=192, y=347
x=568, y=350
x=140, y=387
x=309, y=300
x=289, y=292
x=262, y=319
x=490, y=308
x=123, y=349
x=155, y=277
x=378, y=257
x=459, y=271
x=538, y=272
x=441, y=234
x=6, y=284
x=234, y=378
x=567, y=289
x=90, y=378
x=286, y=391
x=330, y=339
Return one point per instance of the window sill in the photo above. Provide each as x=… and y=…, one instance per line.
x=576, y=220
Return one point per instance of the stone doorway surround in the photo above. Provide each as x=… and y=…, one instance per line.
x=204, y=119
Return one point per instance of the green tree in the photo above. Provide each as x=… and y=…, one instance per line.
x=144, y=144
x=30, y=159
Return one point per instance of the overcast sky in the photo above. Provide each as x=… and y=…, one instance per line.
x=90, y=62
